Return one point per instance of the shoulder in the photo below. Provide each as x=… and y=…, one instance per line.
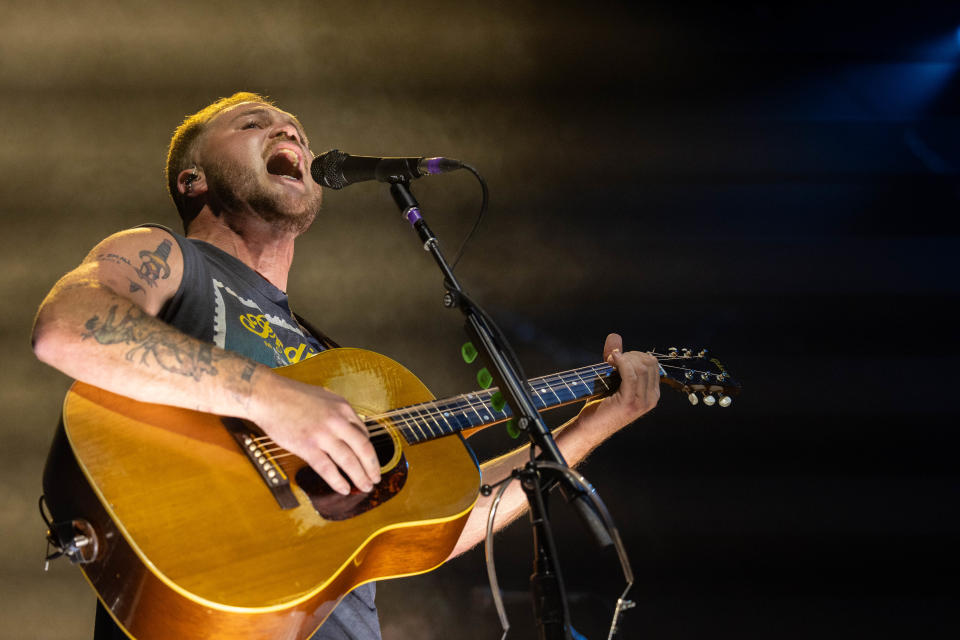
x=144, y=264
x=134, y=239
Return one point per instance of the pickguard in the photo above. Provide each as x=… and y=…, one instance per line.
x=331, y=505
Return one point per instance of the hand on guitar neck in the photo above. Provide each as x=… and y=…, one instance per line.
x=637, y=394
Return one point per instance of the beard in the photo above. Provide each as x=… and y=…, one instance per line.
x=236, y=187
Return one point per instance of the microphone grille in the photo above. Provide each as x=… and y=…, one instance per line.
x=327, y=169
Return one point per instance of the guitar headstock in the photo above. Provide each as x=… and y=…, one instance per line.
x=698, y=375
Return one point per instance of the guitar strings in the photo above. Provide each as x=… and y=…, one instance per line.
x=573, y=375
x=467, y=399
x=436, y=410
x=469, y=402
x=464, y=403
x=416, y=415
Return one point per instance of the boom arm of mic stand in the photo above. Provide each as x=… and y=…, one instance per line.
x=488, y=341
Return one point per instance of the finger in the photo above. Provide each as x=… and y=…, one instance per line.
x=653, y=382
x=327, y=469
x=357, y=437
x=629, y=376
x=639, y=388
x=613, y=343
x=345, y=458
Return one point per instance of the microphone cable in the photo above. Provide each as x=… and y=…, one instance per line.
x=483, y=209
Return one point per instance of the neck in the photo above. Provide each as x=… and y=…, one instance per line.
x=256, y=243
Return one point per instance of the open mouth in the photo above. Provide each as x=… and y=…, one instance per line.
x=286, y=164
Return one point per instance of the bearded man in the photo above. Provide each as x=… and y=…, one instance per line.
x=199, y=321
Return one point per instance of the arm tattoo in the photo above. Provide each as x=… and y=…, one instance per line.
x=152, y=344
x=113, y=257
x=153, y=265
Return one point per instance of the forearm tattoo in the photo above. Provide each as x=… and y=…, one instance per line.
x=160, y=345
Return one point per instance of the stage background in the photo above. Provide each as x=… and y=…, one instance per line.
x=777, y=183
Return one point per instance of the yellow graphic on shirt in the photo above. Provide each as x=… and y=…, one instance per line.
x=259, y=325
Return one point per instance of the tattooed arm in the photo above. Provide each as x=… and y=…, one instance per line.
x=97, y=325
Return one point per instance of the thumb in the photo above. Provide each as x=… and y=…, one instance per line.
x=613, y=343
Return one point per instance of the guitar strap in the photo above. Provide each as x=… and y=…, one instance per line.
x=321, y=337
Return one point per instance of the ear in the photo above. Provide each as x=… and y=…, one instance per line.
x=192, y=182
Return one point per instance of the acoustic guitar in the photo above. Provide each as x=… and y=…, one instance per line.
x=191, y=525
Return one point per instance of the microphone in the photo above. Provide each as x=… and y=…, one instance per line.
x=335, y=169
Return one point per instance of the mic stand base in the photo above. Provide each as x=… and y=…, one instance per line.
x=550, y=607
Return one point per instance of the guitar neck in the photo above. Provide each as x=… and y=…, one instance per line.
x=682, y=371
x=439, y=418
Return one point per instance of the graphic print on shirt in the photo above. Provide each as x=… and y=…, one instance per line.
x=239, y=324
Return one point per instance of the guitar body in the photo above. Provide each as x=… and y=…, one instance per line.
x=191, y=543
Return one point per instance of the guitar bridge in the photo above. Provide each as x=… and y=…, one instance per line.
x=266, y=465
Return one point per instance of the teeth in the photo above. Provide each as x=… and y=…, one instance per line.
x=285, y=161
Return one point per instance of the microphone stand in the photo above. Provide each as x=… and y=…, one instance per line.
x=544, y=471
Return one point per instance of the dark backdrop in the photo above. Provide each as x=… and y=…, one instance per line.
x=777, y=182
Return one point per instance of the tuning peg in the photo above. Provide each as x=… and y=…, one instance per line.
x=686, y=352
x=702, y=354
x=725, y=401
x=693, y=398
x=709, y=400
x=672, y=351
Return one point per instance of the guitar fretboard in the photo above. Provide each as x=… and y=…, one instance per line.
x=438, y=418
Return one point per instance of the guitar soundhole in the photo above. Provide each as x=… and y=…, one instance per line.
x=333, y=506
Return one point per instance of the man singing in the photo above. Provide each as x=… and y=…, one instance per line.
x=199, y=321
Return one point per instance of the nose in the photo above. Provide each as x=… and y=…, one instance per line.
x=287, y=130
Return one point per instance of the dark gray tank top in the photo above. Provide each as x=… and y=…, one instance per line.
x=223, y=301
